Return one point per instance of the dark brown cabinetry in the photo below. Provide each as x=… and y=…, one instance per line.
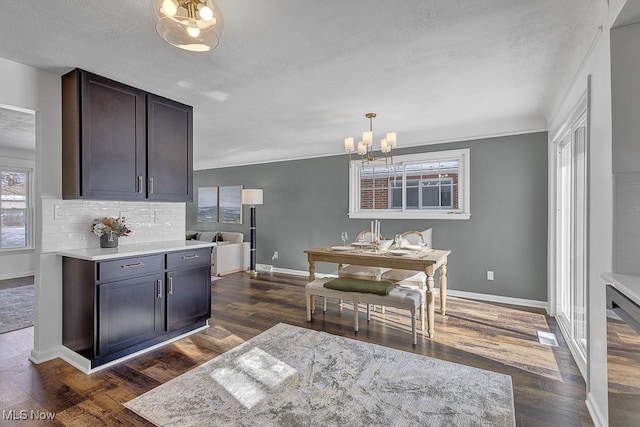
x=117, y=307
x=129, y=313
x=121, y=143
x=169, y=153
x=187, y=276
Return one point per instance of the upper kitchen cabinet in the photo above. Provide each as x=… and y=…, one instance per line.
x=121, y=143
x=169, y=150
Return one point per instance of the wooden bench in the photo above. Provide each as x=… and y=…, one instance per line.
x=401, y=298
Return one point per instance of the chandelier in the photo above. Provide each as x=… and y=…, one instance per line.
x=194, y=25
x=365, y=147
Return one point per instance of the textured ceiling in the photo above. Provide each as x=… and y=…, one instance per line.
x=292, y=78
x=17, y=130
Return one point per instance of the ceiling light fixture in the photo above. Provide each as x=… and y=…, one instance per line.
x=365, y=147
x=194, y=25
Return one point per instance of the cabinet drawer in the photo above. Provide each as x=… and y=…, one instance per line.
x=129, y=267
x=190, y=258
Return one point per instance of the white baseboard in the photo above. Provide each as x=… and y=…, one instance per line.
x=38, y=357
x=16, y=275
x=497, y=298
x=599, y=419
x=84, y=365
x=74, y=359
x=450, y=292
x=267, y=268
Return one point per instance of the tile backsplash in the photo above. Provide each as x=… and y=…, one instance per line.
x=66, y=223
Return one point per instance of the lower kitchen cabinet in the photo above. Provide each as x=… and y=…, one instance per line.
x=129, y=313
x=186, y=301
x=116, y=307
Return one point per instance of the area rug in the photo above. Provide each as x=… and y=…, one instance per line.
x=16, y=308
x=291, y=376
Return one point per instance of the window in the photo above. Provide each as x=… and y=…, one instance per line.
x=418, y=186
x=15, y=205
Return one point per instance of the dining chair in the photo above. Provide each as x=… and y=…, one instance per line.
x=411, y=278
x=411, y=239
x=360, y=271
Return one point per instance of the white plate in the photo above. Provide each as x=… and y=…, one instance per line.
x=402, y=252
x=342, y=248
x=361, y=244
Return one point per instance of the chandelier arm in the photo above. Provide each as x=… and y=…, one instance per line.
x=191, y=10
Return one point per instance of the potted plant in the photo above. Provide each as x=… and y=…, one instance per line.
x=108, y=229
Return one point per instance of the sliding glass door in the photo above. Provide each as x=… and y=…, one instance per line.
x=571, y=232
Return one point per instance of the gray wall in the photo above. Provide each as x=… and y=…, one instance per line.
x=625, y=98
x=306, y=204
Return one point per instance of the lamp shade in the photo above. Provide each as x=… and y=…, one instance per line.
x=252, y=196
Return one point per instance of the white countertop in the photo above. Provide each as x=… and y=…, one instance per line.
x=625, y=283
x=122, y=251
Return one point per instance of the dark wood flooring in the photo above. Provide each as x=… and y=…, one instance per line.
x=548, y=388
x=624, y=374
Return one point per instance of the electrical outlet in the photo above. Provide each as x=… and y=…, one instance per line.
x=157, y=216
x=58, y=212
x=489, y=275
x=275, y=255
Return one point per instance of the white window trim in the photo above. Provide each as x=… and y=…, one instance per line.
x=464, y=187
x=24, y=166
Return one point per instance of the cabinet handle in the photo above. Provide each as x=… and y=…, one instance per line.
x=150, y=185
x=159, y=288
x=138, y=264
x=170, y=285
x=140, y=184
x=191, y=257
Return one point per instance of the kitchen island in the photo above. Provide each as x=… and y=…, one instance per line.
x=120, y=302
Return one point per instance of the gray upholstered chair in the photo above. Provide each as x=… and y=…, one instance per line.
x=359, y=271
x=410, y=278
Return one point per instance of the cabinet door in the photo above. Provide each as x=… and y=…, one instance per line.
x=113, y=139
x=169, y=150
x=188, y=297
x=129, y=312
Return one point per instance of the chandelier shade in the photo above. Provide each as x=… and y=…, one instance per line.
x=193, y=25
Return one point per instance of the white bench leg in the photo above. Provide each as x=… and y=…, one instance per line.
x=413, y=327
x=355, y=315
x=415, y=311
x=324, y=304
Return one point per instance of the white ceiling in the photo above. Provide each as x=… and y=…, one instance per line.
x=292, y=78
x=17, y=130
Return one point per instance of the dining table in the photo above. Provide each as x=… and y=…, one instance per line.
x=427, y=260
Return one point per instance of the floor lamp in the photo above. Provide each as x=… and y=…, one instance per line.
x=252, y=197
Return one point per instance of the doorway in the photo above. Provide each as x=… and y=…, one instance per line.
x=17, y=255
